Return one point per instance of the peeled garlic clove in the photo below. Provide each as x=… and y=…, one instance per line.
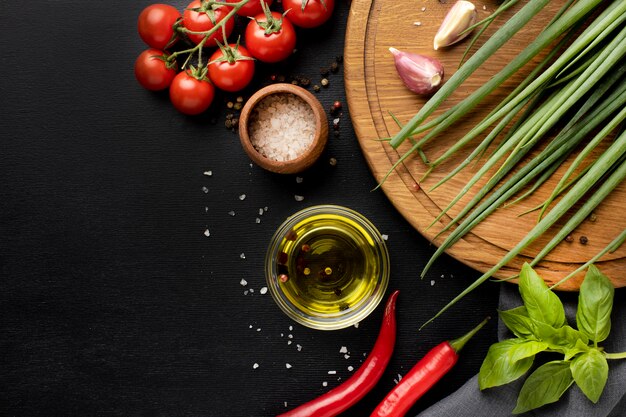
x=420, y=73
x=461, y=16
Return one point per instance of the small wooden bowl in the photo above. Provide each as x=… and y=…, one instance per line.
x=303, y=161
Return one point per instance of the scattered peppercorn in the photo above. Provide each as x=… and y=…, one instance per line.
x=338, y=291
x=316, y=88
x=334, y=67
x=237, y=106
x=280, y=78
x=324, y=72
x=583, y=240
x=306, y=248
x=283, y=278
x=339, y=59
x=304, y=81
x=324, y=82
x=332, y=162
x=230, y=104
x=569, y=239
x=294, y=82
x=273, y=77
x=416, y=186
x=336, y=133
x=337, y=105
x=239, y=99
x=593, y=217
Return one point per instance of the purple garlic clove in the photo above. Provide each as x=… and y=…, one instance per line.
x=454, y=27
x=420, y=73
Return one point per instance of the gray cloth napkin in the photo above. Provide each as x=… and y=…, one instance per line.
x=469, y=401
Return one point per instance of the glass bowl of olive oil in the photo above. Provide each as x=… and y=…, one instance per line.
x=327, y=267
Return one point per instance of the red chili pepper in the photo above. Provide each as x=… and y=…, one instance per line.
x=423, y=376
x=363, y=380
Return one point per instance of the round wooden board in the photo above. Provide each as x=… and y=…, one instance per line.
x=374, y=91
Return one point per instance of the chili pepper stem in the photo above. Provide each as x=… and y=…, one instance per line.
x=457, y=344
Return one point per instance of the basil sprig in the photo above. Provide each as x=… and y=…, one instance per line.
x=540, y=326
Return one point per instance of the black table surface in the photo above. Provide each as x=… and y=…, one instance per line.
x=113, y=301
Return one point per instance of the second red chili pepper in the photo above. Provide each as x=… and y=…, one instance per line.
x=363, y=380
x=423, y=376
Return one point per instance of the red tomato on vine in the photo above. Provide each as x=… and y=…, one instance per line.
x=153, y=71
x=270, y=37
x=190, y=94
x=231, y=67
x=308, y=13
x=156, y=25
x=198, y=18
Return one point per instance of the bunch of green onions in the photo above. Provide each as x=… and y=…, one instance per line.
x=582, y=79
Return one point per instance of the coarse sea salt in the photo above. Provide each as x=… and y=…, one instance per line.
x=282, y=127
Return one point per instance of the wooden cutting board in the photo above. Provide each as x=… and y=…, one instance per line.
x=374, y=91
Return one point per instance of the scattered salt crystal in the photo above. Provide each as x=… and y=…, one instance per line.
x=432, y=282
x=346, y=356
x=256, y=365
x=206, y=209
x=207, y=233
x=243, y=282
x=385, y=237
x=265, y=209
x=332, y=372
x=282, y=127
x=356, y=325
x=423, y=9
x=299, y=347
x=343, y=349
x=324, y=384
x=350, y=368
x=289, y=342
x=260, y=212
x=242, y=197
x=282, y=334
x=242, y=256
x=417, y=23
x=290, y=328
x=484, y=7
x=299, y=180
x=257, y=220
x=251, y=165
x=246, y=292
x=258, y=329
x=285, y=404
x=288, y=366
x=205, y=190
x=290, y=336
x=263, y=290
x=251, y=290
x=298, y=197
x=231, y=213
x=399, y=377
x=442, y=276
x=208, y=173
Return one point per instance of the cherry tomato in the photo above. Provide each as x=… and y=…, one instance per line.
x=315, y=12
x=272, y=47
x=156, y=24
x=152, y=71
x=251, y=8
x=190, y=95
x=199, y=21
x=228, y=71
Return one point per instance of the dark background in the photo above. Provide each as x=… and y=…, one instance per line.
x=112, y=299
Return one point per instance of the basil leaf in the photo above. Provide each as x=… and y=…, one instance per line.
x=595, y=303
x=500, y=367
x=544, y=386
x=542, y=304
x=517, y=321
x=562, y=339
x=579, y=347
x=590, y=371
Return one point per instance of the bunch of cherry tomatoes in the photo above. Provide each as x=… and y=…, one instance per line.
x=205, y=25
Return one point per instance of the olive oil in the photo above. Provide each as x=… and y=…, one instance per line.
x=329, y=264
